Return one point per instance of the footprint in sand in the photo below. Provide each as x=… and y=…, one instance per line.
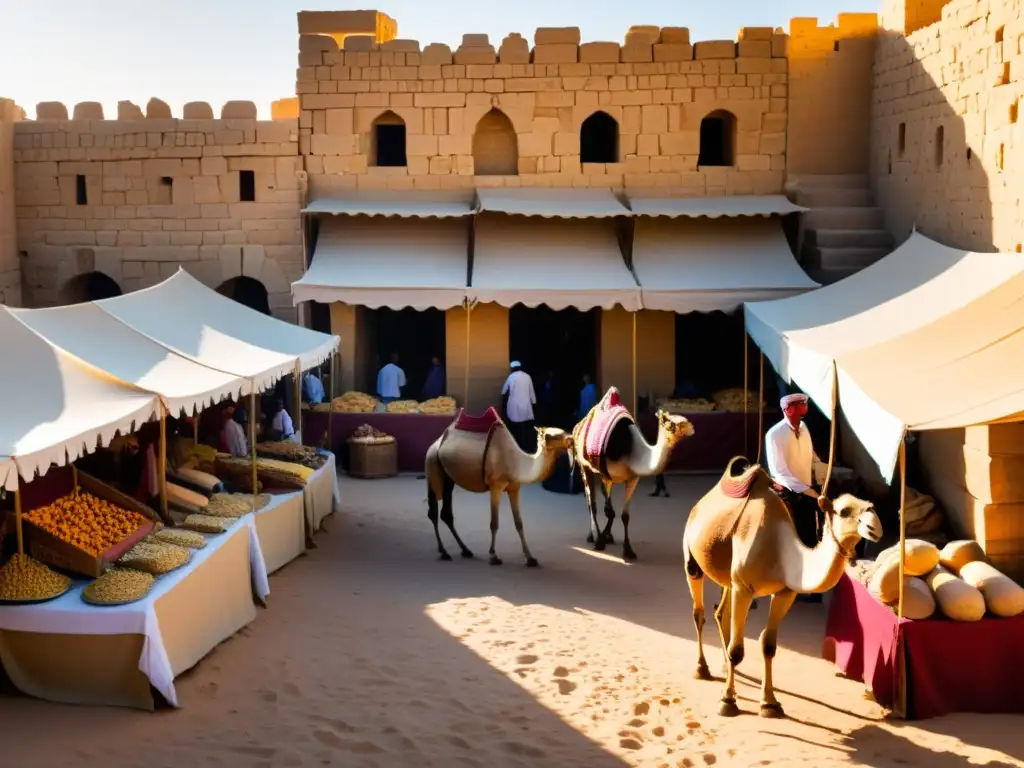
x=636, y=722
x=630, y=744
x=458, y=742
x=268, y=696
x=209, y=690
x=526, y=750
x=565, y=687
x=329, y=739
x=561, y=672
x=526, y=658
x=291, y=689
x=659, y=731
x=693, y=725
x=709, y=759
x=641, y=708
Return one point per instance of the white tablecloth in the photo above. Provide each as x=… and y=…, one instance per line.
x=68, y=614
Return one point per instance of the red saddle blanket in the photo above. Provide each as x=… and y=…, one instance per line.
x=609, y=412
x=482, y=424
x=737, y=486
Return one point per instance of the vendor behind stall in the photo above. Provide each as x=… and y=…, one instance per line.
x=390, y=380
x=434, y=384
x=281, y=425
x=312, y=388
x=233, y=439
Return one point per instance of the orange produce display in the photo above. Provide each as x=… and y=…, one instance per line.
x=86, y=522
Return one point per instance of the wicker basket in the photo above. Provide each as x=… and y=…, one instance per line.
x=372, y=460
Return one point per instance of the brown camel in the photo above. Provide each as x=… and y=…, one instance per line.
x=741, y=536
x=624, y=458
x=479, y=455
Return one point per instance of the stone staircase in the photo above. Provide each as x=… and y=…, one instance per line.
x=844, y=231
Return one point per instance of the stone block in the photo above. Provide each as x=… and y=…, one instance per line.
x=754, y=49
x=715, y=49
x=635, y=53
x=515, y=49
x=671, y=35
x=780, y=46
x=197, y=110
x=643, y=34
x=403, y=46
x=158, y=110
x=238, y=110
x=773, y=143
x=317, y=44
x=127, y=110
x=673, y=52
x=555, y=53
x=472, y=40
x=753, y=66
x=556, y=36
x=599, y=53
x=359, y=43
x=756, y=33
x=51, y=110
x=475, y=54
x=88, y=110
x=436, y=53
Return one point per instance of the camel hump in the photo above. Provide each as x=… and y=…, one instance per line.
x=611, y=399
x=738, y=477
x=483, y=424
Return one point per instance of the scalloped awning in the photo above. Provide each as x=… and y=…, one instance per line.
x=549, y=203
x=405, y=205
x=714, y=207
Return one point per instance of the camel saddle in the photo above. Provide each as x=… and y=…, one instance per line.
x=464, y=446
x=600, y=422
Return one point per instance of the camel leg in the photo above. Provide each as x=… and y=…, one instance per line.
x=590, y=493
x=513, y=500
x=436, y=479
x=741, y=599
x=495, y=506
x=723, y=615
x=695, y=581
x=448, y=516
x=780, y=605
x=609, y=514
x=627, y=548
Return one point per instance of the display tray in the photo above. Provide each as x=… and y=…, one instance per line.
x=87, y=601
x=37, y=601
x=57, y=553
x=191, y=552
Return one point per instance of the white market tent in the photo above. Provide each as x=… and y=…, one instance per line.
x=101, y=340
x=929, y=337
x=57, y=408
x=195, y=321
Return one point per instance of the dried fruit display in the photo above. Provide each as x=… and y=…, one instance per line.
x=23, y=579
x=732, y=400
x=305, y=455
x=402, y=406
x=684, y=405
x=118, y=586
x=155, y=557
x=269, y=472
x=87, y=522
x=208, y=524
x=354, y=402
x=368, y=435
x=189, y=539
x=235, y=504
x=439, y=406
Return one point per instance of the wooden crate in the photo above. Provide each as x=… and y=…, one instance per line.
x=372, y=460
x=47, y=548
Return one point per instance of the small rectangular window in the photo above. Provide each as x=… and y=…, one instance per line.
x=165, y=192
x=81, y=191
x=247, y=186
x=902, y=138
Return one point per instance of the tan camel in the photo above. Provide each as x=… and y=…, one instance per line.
x=624, y=458
x=741, y=536
x=479, y=455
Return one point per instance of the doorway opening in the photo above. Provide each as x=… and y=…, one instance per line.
x=417, y=337
x=246, y=291
x=91, y=286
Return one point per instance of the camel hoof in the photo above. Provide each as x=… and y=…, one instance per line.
x=728, y=708
x=590, y=538
x=467, y=554
x=600, y=546
x=495, y=560
x=629, y=554
x=609, y=539
x=772, y=711
x=445, y=556
x=532, y=563
x=703, y=673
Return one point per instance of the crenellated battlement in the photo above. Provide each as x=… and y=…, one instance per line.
x=155, y=109
x=552, y=45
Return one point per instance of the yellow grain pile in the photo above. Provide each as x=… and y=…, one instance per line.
x=439, y=406
x=118, y=586
x=354, y=402
x=207, y=523
x=680, y=405
x=155, y=557
x=23, y=579
x=234, y=504
x=732, y=400
x=189, y=539
x=402, y=406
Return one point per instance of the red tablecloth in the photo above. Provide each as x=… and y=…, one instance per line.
x=717, y=438
x=415, y=433
x=943, y=666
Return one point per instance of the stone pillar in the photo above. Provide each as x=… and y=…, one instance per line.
x=488, y=358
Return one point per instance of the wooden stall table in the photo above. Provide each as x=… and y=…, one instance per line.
x=926, y=668
x=322, y=495
x=71, y=652
x=281, y=526
x=717, y=438
x=415, y=433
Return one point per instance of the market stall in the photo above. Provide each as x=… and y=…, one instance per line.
x=923, y=339
x=413, y=432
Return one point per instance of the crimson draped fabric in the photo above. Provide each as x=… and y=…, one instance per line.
x=950, y=666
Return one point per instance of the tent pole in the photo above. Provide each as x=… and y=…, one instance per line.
x=634, y=366
x=17, y=519
x=74, y=476
x=195, y=428
x=832, y=430
x=330, y=409
x=760, y=410
x=297, y=395
x=252, y=445
x=903, y=521
x=162, y=462
x=465, y=372
x=746, y=393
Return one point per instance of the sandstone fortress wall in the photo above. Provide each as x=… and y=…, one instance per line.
x=10, y=268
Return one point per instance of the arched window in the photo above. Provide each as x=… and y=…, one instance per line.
x=248, y=292
x=599, y=139
x=717, y=139
x=388, y=150
x=495, y=146
x=90, y=286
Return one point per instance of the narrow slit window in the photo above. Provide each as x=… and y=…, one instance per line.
x=940, y=140
x=81, y=191
x=901, y=139
x=247, y=186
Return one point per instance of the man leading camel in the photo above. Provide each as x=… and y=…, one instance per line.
x=791, y=457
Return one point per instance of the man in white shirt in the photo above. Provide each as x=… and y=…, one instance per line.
x=233, y=433
x=519, y=401
x=281, y=426
x=390, y=380
x=791, y=458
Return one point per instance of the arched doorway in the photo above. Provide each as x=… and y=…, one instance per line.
x=90, y=286
x=246, y=291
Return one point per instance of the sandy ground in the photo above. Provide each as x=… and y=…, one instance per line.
x=374, y=653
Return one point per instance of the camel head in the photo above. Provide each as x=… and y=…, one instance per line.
x=553, y=441
x=675, y=427
x=850, y=519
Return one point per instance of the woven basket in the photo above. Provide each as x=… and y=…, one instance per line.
x=372, y=460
